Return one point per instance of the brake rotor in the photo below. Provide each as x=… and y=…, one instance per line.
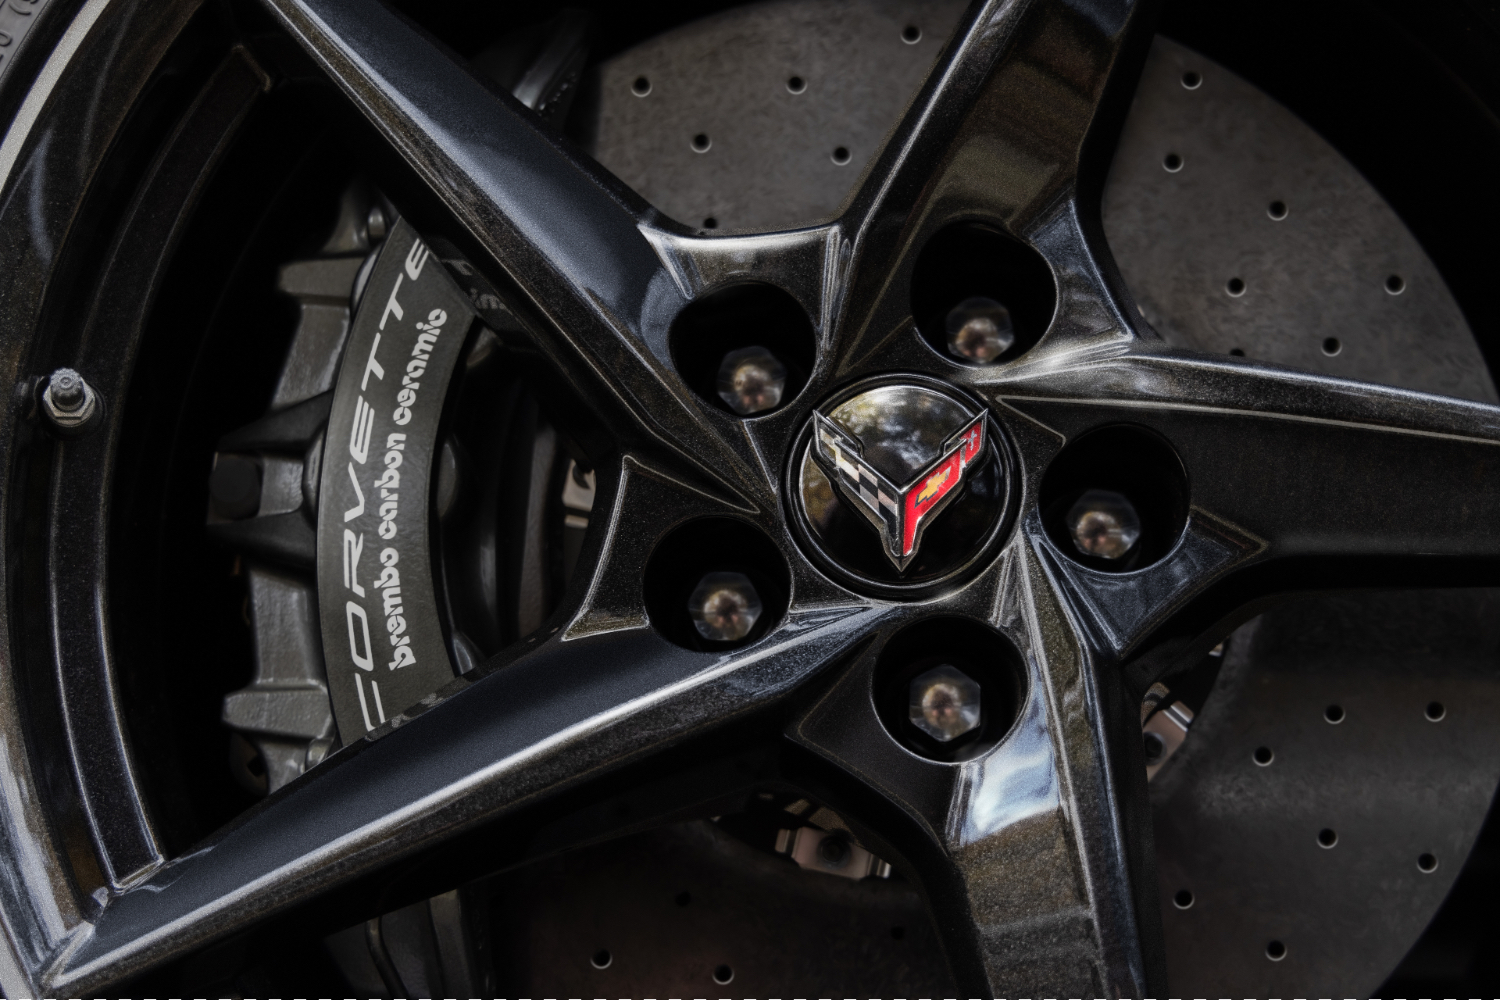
x=1238, y=230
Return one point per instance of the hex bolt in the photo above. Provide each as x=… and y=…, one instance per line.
x=751, y=380
x=68, y=402
x=1104, y=524
x=945, y=703
x=979, y=330
x=724, y=606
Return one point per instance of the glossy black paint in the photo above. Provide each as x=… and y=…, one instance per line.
x=1034, y=854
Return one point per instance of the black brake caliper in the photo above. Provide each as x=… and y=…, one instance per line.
x=382, y=635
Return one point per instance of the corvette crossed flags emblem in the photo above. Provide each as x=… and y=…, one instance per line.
x=900, y=513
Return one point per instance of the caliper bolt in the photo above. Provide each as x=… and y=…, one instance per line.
x=724, y=606
x=945, y=703
x=979, y=330
x=751, y=380
x=1104, y=524
x=68, y=401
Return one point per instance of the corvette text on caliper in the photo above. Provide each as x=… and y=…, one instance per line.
x=382, y=638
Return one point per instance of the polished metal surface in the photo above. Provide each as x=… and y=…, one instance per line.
x=1329, y=278
x=1103, y=523
x=899, y=454
x=751, y=380
x=944, y=703
x=724, y=606
x=979, y=330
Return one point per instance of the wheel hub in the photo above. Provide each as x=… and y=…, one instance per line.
x=901, y=482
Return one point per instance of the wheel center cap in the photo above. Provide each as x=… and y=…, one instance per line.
x=900, y=482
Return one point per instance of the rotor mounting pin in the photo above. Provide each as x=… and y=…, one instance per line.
x=1104, y=524
x=945, y=703
x=68, y=401
x=979, y=330
x=751, y=380
x=724, y=606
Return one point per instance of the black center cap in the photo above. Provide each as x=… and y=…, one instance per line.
x=901, y=485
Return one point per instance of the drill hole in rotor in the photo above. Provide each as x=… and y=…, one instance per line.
x=697, y=550
x=1332, y=346
x=1235, y=287
x=1435, y=711
x=966, y=262
x=977, y=654
x=1327, y=838
x=1334, y=714
x=601, y=959
x=1427, y=863
x=911, y=34
x=1130, y=467
x=731, y=319
x=1192, y=80
x=723, y=975
x=641, y=87
x=1183, y=899
x=1277, y=210
x=841, y=155
x=701, y=142
x=1395, y=284
x=1275, y=951
x=1263, y=756
x=796, y=85
x=1172, y=163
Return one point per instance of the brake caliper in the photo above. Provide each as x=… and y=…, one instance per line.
x=382, y=635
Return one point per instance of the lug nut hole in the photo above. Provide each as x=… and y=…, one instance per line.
x=980, y=297
x=1115, y=499
x=746, y=350
x=715, y=583
x=948, y=688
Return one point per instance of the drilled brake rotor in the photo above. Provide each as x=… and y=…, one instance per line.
x=1239, y=231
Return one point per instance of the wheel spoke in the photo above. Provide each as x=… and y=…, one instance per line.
x=604, y=685
x=1013, y=129
x=1301, y=481
x=515, y=735
x=1026, y=850
x=572, y=238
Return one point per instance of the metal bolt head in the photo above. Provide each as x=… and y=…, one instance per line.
x=751, y=380
x=979, y=330
x=1104, y=524
x=945, y=703
x=724, y=607
x=68, y=403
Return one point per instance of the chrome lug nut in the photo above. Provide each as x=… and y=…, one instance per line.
x=751, y=380
x=724, y=607
x=68, y=402
x=945, y=703
x=1104, y=524
x=979, y=330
